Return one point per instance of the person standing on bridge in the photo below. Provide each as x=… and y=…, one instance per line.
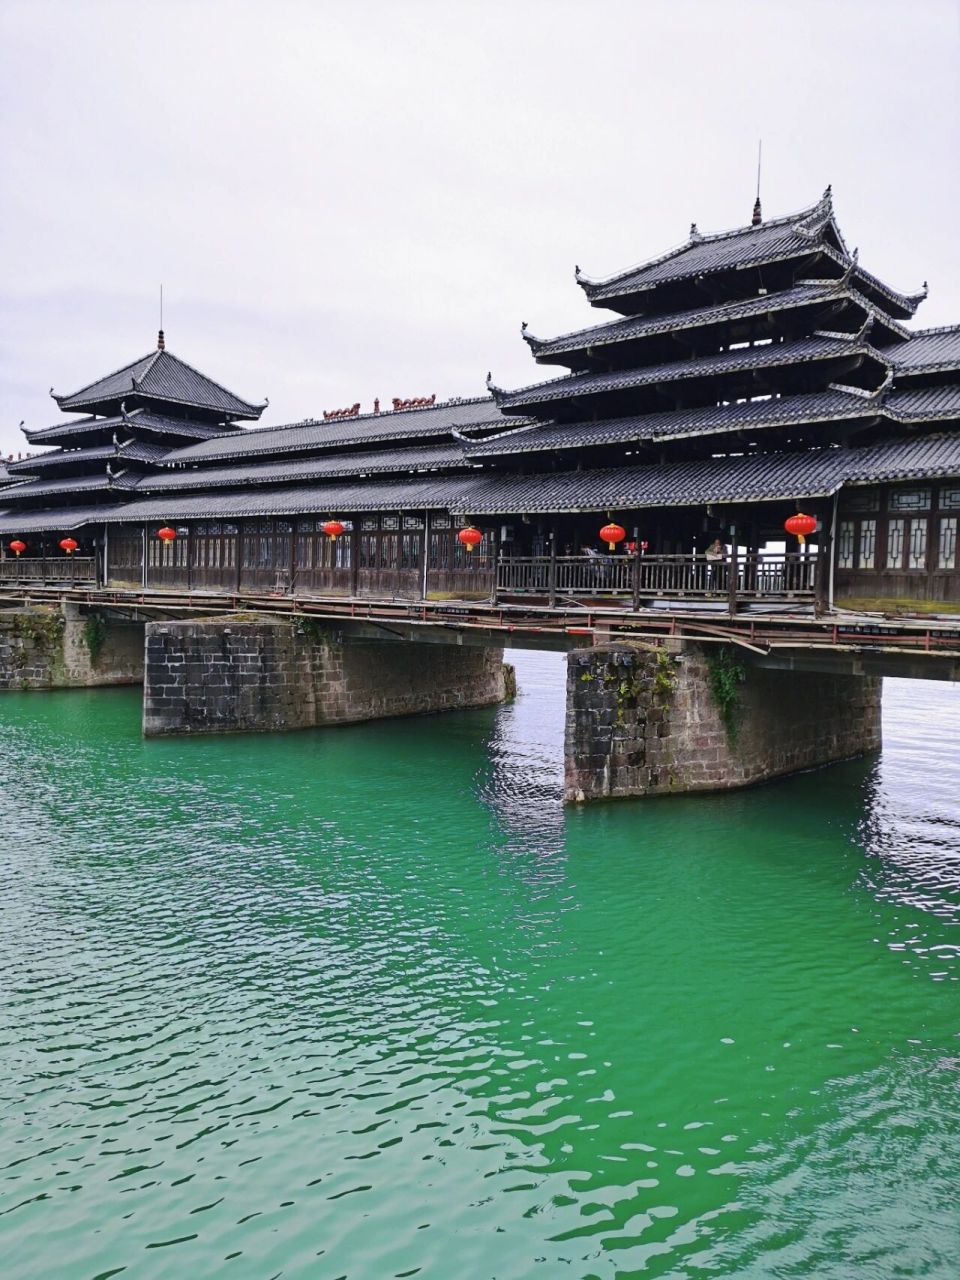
x=715, y=555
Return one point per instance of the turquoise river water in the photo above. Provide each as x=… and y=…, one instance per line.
x=368, y=1003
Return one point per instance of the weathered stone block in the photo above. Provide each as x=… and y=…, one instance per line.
x=229, y=675
x=658, y=711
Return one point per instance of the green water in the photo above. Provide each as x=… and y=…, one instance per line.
x=368, y=1003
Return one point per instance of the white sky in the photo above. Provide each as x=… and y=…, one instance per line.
x=345, y=200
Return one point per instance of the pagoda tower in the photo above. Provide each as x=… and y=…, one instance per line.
x=132, y=419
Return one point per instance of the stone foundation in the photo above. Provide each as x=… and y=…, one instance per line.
x=643, y=722
x=45, y=648
x=228, y=675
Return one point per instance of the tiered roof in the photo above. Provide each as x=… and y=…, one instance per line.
x=137, y=416
x=758, y=341
x=738, y=364
x=161, y=379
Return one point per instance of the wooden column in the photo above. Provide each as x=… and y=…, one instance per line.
x=355, y=556
x=425, y=552
x=553, y=568
x=732, y=570
x=821, y=595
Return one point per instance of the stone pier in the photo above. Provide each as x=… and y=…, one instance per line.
x=64, y=648
x=646, y=722
x=228, y=675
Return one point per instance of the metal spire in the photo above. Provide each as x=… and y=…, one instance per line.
x=757, y=213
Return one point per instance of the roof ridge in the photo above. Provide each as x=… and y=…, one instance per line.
x=385, y=415
x=206, y=377
x=809, y=288
x=103, y=377
x=800, y=216
x=942, y=328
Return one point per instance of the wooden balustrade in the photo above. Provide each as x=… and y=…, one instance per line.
x=764, y=575
x=61, y=569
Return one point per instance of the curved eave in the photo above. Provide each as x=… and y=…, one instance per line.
x=579, y=386
x=111, y=404
x=627, y=332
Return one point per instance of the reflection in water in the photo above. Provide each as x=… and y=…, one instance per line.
x=368, y=1002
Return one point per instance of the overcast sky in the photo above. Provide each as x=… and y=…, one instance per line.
x=345, y=200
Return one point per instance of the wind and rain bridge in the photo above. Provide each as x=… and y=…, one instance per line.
x=736, y=506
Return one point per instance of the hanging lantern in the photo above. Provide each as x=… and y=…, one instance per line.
x=18, y=547
x=166, y=534
x=69, y=545
x=332, y=528
x=612, y=534
x=800, y=525
x=470, y=537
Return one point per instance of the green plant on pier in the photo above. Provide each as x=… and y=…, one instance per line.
x=94, y=636
x=665, y=675
x=726, y=673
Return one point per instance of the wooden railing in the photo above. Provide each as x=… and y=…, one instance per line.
x=766, y=576
x=62, y=569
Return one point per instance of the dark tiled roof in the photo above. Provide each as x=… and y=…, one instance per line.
x=634, y=327
x=408, y=494
x=925, y=404
x=822, y=406
x=57, y=459
x=257, y=471
x=161, y=376
x=794, y=236
x=136, y=420
x=927, y=351
x=60, y=519
x=301, y=437
x=142, y=451
x=804, y=350
x=787, y=237
x=31, y=490
x=756, y=478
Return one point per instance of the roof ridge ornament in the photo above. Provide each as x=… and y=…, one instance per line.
x=495, y=391
x=884, y=386
x=696, y=235
x=161, y=341
x=852, y=266
x=863, y=333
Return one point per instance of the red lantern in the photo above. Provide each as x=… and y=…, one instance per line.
x=800, y=525
x=612, y=534
x=166, y=534
x=332, y=528
x=470, y=537
x=18, y=547
x=69, y=545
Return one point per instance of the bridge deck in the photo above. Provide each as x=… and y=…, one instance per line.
x=782, y=635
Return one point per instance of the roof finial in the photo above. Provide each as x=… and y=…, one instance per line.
x=757, y=213
x=160, y=342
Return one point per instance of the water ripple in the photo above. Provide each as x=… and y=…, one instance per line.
x=368, y=1003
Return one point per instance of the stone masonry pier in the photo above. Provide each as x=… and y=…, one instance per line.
x=227, y=675
x=653, y=722
x=46, y=647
